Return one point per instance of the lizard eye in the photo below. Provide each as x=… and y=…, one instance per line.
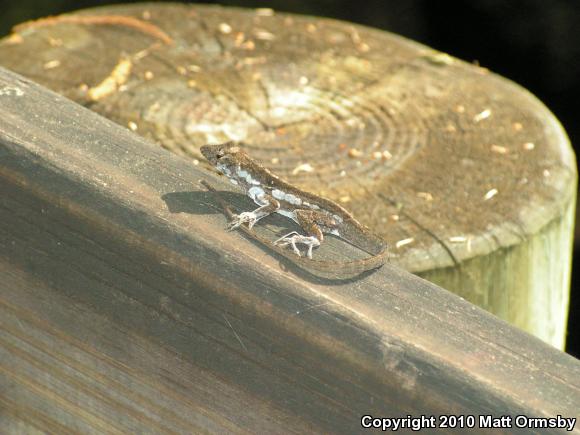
x=221, y=153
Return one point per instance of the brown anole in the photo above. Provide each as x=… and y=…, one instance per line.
x=315, y=215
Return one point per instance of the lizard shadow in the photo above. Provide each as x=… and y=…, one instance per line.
x=197, y=202
x=200, y=202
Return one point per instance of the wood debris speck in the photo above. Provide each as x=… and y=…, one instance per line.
x=363, y=47
x=498, y=149
x=145, y=52
x=439, y=58
x=225, y=28
x=528, y=146
x=51, y=64
x=264, y=35
x=425, y=195
x=248, y=45
x=354, y=36
x=352, y=122
x=387, y=155
x=303, y=167
x=458, y=239
x=404, y=242
x=482, y=115
x=239, y=39
x=354, y=153
x=490, y=194
x=357, y=41
x=113, y=82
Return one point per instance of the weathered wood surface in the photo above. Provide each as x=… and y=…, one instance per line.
x=126, y=307
x=468, y=176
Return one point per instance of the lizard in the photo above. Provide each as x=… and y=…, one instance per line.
x=314, y=214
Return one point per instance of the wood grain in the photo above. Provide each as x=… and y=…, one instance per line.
x=126, y=307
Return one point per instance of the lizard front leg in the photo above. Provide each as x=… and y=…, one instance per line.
x=311, y=222
x=268, y=205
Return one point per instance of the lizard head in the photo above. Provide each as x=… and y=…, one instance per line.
x=221, y=154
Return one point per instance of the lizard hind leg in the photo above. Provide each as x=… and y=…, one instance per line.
x=293, y=238
x=309, y=221
x=287, y=240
